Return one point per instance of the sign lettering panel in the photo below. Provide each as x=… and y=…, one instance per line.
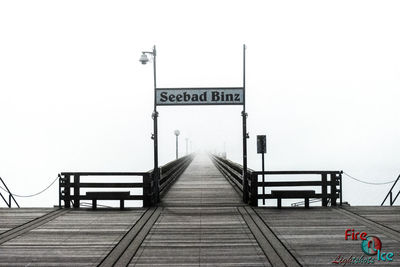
x=199, y=96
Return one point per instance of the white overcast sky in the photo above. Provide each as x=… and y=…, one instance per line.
x=323, y=83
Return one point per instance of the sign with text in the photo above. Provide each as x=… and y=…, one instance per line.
x=199, y=96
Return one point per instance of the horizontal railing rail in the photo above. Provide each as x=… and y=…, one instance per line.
x=71, y=184
x=69, y=181
x=10, y=195
x=390, y=194
x=234, y=173
x=171, y=171
x=330, y=182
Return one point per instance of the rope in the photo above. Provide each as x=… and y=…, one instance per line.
x=32, y=195
x=370, y=183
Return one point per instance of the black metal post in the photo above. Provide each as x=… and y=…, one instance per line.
x=155, y=130
x=244, y=121
x=67, y=192
x=263, y=177
x=341, y=190
x=176, y=152
x=324, y=190
x=77, y=192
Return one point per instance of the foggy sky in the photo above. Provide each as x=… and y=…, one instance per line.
x=322, y=83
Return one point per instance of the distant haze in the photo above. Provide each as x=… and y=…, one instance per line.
x=323, y=83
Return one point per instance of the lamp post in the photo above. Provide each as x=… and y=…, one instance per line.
x=144, y=59
x=177, y=132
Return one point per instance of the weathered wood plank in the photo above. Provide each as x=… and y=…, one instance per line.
x=79, y=238
x=316, y=236
x=11, y=218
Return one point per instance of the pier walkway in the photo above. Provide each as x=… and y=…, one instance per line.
x=200, y=221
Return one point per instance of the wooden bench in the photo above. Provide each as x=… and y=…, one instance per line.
x=306, y=194
x=121, y=196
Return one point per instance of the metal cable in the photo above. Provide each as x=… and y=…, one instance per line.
x=370, y=183
x=32, y=195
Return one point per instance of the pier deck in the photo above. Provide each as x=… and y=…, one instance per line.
x=201, y=221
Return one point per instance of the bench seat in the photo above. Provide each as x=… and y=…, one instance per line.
x=306, y=194
x=121, y=196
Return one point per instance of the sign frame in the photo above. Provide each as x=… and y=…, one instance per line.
x=241, y=90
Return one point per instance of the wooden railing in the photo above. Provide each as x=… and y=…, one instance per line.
x=234, y=173
x=71, y=183
x=329, y=183
x=171, y=171
x=73, y=180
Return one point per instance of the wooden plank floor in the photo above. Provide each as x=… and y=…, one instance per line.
x=201, y=185
x=316, y=236
x=78, y=238
x=388, y=216
x=201, y=221
x=200, y=224
x=10, y=218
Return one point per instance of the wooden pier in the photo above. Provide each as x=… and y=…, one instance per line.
x=200, y=221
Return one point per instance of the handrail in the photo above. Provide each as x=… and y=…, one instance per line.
x=10, y=195
x=234, y=173
x=168, y=174
x=390, y=193
x=172, y=170
x=66, y=184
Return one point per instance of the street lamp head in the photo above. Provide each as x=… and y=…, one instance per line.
x=144, y=59
x=177, y=132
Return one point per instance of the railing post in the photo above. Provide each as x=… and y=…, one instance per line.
x=148, y=192
x=254, y=190
x=76, y=191
x=245, y=187
x=324, y=190
x=59, y=191
x=341, y=190
x=333, y=189
x=67, y=192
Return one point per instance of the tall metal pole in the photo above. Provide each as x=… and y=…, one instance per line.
x=176, y=147
x=244, y=118
x=263, y=177
x=155, y=129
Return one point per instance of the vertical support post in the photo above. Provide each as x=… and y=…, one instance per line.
x=148, y=193
x=176, y=147
x=254, y=190
x=67, y=192
x=263, y=178
x=155, y=129
x=333, y=189
x=59, y=191
x=341, y=192
x=324, y=190
x=77, y=191
x=244, y=125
